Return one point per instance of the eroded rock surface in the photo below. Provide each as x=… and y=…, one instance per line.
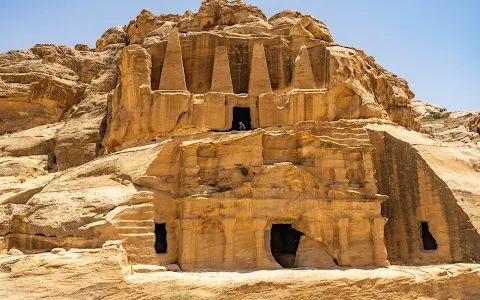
x=457, y=127
x=139, y=141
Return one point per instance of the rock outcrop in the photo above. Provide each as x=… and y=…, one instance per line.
x=458, y=127
x=80, y=140
x=50, y=83
x=424, y=109
x=444, y=195
x=293, y=23
x=474, y=124
x=113, y=36
x=38, y=87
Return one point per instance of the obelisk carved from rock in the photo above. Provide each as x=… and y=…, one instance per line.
x=302, y=77
x=259, y=81
x=221, y=77
x=173, y=74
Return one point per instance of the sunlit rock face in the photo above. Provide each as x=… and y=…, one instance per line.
x=281, y=76
x=223, y=140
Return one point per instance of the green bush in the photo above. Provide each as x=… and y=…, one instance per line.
x=432, y=116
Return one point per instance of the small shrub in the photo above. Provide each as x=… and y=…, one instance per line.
x=244, y=171
x=432, y=116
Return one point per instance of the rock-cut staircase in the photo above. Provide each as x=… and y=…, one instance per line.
x=136, y=228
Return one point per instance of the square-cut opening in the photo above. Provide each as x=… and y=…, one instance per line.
x=241, y=115
x=160, y=238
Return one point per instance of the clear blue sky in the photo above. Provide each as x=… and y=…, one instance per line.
x=434, y=44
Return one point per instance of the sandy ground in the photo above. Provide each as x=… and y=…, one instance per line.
x=106, y=274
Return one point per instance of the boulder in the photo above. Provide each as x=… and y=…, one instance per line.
x=114, y=35
x=14, y=251
x=82, y=47
x=58, y=251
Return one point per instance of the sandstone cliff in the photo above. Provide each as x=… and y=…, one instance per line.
x=137, y=141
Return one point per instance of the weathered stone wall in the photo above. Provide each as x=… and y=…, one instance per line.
x=232, y=190
x=417, y=194
x=218, y=195
x=185, y=102
x=198, y=53
x=210, y=237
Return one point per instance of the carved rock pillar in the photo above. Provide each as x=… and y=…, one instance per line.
x=228, y=225
x=189, y=175
x=259, y=81
x=327, y=230
x=173, y=74
x=341, y=176
x=302, y=77
x=379, y=250
x=221, y=76
x=369, y=182
x=264, y=260
x=342, y=224
x=189, y=231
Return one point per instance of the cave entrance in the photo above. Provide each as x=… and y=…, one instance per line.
x=241, y=114
x=429, y=242
x=160, y=238
x=284, y=241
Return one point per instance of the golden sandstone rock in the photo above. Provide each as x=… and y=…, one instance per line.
x=173, y=75
x=136, y=148
x=259, y=80
x=221, y=76
x=302, y=77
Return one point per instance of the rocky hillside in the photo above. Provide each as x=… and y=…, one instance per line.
x=461, y=127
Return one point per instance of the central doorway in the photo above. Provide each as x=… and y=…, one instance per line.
x=241, y=114
x=284, y=242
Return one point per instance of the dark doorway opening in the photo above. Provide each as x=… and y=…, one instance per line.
x=284, y=243
x=429, y=242
x=160, y=238
x=241, y=114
